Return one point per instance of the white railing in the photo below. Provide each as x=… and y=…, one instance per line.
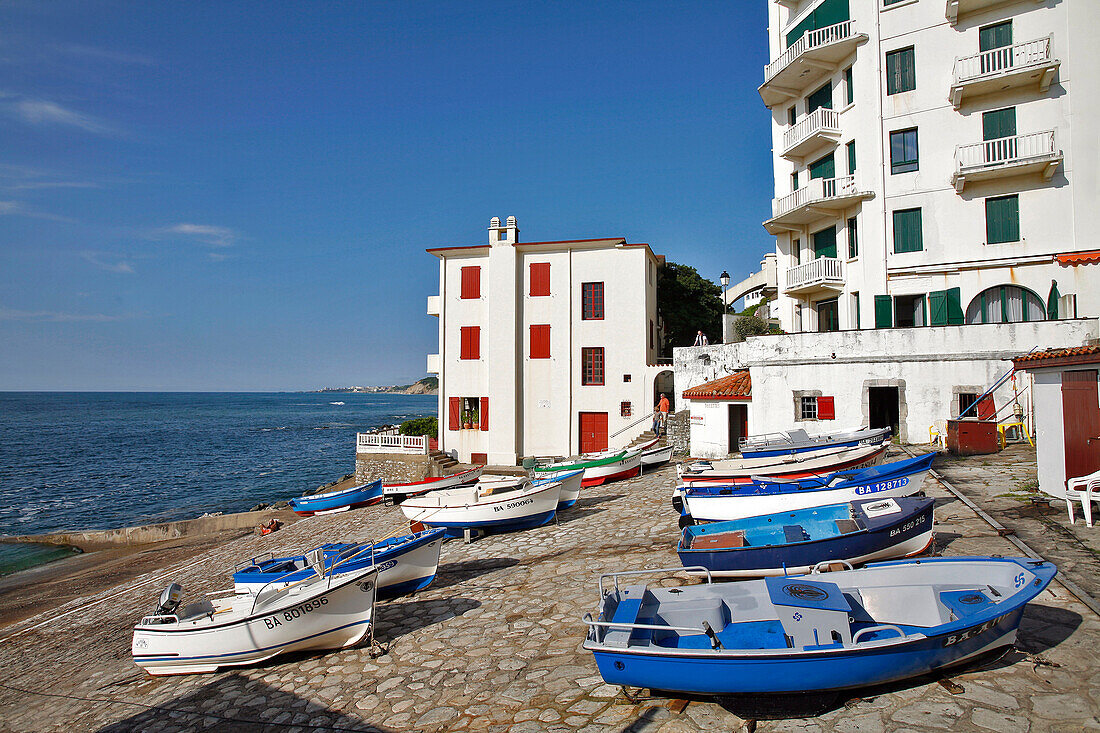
x=818, y=189
x=809, y=41
x=820, y=120
x=999, y=60
x=1005, y=150
x=376, y=443
x=819, y=270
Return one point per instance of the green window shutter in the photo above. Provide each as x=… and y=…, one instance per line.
x=999, y=123
x=901, y=72
x=884, y=311
x=823, y=167
x=995, y=36
x=851, y=157
x=892, y=73
x=907, y=231
x=848, y=88
x=792, y=116
x=825, y=242
x=954, y=307
x=823, y=97
x=827, y=13
x=853, y=237
x=800, y=29
x=937, y=305
x=1002, y=219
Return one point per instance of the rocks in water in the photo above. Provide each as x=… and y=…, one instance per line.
x=259, y=507
x=281, y=505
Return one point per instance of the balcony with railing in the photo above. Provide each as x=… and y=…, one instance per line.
x=812, y=57
x=820, y=127
x=433, y=305
x=1017, y=155
x=819, y=198
x=1028, y=64
x=956, y=9
x=382, y=443
x=824, y=273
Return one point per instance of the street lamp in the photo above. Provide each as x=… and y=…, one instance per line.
x=724, y=278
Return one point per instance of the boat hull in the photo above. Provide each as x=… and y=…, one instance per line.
x=600, y=470
x=510, y=511
x=788, y=467
x=352, y=498
x=657, y=456
x=570, y=488
x=397, y=493
x=848, y=439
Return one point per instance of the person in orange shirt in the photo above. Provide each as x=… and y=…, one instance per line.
x=662, y=415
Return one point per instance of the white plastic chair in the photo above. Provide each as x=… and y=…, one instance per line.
x=1082, y=489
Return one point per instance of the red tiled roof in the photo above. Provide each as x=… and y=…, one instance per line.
x=736, y=386
x=1059, y=357
x=1079, y=258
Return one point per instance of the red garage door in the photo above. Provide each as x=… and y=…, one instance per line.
x=593, y=431
x=1081, y=422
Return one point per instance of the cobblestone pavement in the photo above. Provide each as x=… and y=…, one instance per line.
x=494, y=645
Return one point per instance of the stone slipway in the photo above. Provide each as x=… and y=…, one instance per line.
x=494, y=645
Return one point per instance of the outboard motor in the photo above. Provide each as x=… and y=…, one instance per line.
x=169, y=600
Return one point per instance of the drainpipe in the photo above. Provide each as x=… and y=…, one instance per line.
x=882, y=138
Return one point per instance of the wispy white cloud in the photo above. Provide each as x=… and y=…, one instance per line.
x=45, y=112
x=11, y=314
x=18, y=208
x=214, y=236
x=108, y=262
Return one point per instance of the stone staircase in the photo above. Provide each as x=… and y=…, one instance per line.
x=647, y=436
x=442, y=464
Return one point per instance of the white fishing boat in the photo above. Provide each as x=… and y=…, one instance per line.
x=656, y=455
x=799, y=441
x=570, y=487
x=478, y=507
x=325, y=611
x=396, y=493
x=790, y=466
x=623, y=464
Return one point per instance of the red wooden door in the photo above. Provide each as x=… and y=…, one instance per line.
x=593, y=431
x=1081, y=422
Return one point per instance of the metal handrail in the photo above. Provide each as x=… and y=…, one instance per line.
x=639, y=421
x=623, y=573
x=826, y=563
x=873, y=629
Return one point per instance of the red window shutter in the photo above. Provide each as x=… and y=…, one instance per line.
x=471, y=282
x=825, y=409
x=540, y=278
x=540, y=342
x=454, y=407
x=484, y=413
x=986, y=409
x=470, y=347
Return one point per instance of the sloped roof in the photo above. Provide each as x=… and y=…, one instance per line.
x=1059, y=357
x=736, y=386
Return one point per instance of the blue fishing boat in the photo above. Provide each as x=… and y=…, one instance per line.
x=793, y=442
x=888, y=621
x=772, y=495
x=335, y=501
x=405, y=564
x=799, y=541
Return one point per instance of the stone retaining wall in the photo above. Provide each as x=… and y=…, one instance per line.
x=679, y=431
x=391, y=467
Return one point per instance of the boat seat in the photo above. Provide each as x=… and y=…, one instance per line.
x=847, y=526
x=692, y=614
x=965, y=603
x=814, y=613
x=903, y=605
x=626, y=612
x=720, y=541
x=794, y=533
x=198, y=608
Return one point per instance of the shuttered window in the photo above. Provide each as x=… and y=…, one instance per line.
x=849, y=90
x=823, y=167
x=592, y=301
x=903, y=151
x=470, y=346
x=1002, y=219
x=853, y=237
x=792, y=116
x=825, y=242
x=884, y=311
x=901, y=73
x=998, y=35
x=823, y=97
x=540, y=278
x=907, y=231
x=540, y=342
x=484, y=413
x=471, y=282
x=851, y=157
x=592, y=366
x=826, y=409
x=454, y=413
x=945, y=307
x=824, y=15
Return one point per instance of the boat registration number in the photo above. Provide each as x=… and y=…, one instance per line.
x=513, y=505
x=972, y=632
x=908, y=526
x=895, y=483
x=293, y=614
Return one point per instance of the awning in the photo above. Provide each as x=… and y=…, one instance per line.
x=1091, y=257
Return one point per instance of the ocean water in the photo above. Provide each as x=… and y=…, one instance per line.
x=104, y=460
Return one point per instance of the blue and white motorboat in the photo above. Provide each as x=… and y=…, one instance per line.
x=798, y=541
x=338, y=501
x=791, y=442
x=570, y=487
x=772, y=495
x=405, y=564
x=888, y=621
x=482, y=507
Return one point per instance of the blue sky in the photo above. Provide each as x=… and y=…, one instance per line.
x=237, y=196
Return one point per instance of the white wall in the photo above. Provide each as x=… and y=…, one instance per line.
x=710, y=427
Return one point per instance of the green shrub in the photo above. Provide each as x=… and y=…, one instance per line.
x=750, y=326
x=421, y=426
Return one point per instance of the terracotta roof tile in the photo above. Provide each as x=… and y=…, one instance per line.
x=736, y=386
x=1054, y=357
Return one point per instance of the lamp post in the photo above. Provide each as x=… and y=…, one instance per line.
x=724, y=278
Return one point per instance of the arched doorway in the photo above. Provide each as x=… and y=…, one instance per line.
x=1005, y=304
x=663, y=383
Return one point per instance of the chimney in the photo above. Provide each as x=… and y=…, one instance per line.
x=508, y=234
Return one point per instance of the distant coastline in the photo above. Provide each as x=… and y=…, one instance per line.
x=426, y=386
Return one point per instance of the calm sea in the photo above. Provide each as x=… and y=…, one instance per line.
x=102, y=460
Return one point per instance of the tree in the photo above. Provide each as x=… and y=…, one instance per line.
x=687, y=303
x=420, y=426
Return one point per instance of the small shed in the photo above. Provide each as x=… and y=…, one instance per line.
x=1066, y=397
x=719, y=411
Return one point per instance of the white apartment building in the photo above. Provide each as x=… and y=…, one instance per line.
x=545, y=348
x=935, y=161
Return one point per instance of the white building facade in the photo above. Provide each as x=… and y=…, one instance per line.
x=935, y=161
x=545, y=348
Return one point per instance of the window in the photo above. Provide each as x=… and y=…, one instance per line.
x=827, y=13
x=828, y=315
x=1002, y=219
x=792, y=115
x=995, y=41
x=470, y=347
x=540, y=278
x=540, y=342
x=651, y=340
x=824, y=167
x=849, y=90
x=966, y=401
x=466, y=413
x=855, y=309
x=851, y=156
x=901, y=74
x=794, y=181
x=796, y=250
x=909, y=310
x=625, y=409
x=471, y=282
x=808, y=408
x=592, y=301
x=887, y=3
x=592, y=366
x=1005, y=304
x=907, y=231
x=853, y=238
x=626, y=377
x=903, y=151
x=825, y=243
x=944, y=308
x=884, y=311
x=999, y=135
x=823, y=97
